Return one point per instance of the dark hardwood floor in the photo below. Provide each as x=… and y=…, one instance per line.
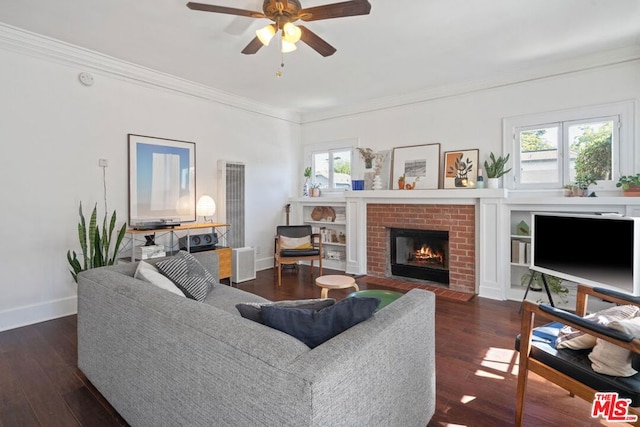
x=476, y=366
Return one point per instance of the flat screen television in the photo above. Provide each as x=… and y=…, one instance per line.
x=594, y=250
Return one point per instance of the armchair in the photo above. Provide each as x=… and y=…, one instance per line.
x=572, y=369
x=296, y=243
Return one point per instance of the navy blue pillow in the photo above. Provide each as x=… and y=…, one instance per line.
x=315, y=327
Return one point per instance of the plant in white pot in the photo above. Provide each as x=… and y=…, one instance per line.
x=495, y=169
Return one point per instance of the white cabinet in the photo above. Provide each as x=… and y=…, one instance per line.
x=328, y=218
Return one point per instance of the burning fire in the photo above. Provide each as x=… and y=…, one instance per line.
x=426, y=255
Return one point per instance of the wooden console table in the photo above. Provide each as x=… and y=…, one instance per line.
x=224, y=253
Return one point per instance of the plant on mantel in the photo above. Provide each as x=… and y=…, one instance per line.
x=495, y=169
x=630, y=185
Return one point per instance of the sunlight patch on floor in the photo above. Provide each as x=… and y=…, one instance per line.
x=498, y=360
x=466, y=399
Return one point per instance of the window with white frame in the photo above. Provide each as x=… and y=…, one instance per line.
x=592, y=145
x=331, y=169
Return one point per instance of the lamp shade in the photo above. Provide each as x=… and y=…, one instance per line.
x=206, y=206
x=291, y=33
x=288, y=47
x=266, y=34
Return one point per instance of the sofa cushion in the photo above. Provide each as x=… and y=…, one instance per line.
x=188, y=275
x=253, y=310
x=576, y=339
x=150, y=274
x=315, y=327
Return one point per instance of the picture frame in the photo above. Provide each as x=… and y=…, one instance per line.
x=460, y=168
x=419, y=164
x=162, y=181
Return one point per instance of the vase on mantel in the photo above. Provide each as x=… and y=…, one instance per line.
x=377, y=182
x=493, y=182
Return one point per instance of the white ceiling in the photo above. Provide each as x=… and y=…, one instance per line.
x=402, y=47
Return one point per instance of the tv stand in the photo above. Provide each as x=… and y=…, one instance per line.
x=224, y=252
x=546, y=288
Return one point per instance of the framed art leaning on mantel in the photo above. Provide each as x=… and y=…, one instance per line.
x=162, y=180
x=460, y=169
x=419, y=164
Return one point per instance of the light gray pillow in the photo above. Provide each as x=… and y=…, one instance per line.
x=150, y=274
x=610, y=359
x=188, y=275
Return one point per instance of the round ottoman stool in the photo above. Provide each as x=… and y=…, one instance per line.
x=385, y=297
x=335, y=281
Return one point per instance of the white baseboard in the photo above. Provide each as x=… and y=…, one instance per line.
x=36, y=313
x=264, y=263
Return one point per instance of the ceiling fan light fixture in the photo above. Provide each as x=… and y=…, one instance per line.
x=291, y=33
x=288, y=46
x=266, y=34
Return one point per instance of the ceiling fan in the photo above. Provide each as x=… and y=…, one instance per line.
x=284, y=13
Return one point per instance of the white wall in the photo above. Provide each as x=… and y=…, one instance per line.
x=53, y=130
x=474, y=120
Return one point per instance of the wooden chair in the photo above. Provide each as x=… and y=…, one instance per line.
x=571, y=369
x=285, y=255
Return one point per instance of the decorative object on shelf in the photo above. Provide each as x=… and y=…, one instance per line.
x=357, y=184
x=377, y=182
x=95, y=246
x=320, y=213
x=480, y=179
x=460, y=169
x=315, y=190
x=630, y=185
x=417, y=161
x=523, y=229
x=206, y=207
x=158, y=191
x=368, y=155
x=408, y=186
x=307, y=176
x=495, y=169
x=401, y=182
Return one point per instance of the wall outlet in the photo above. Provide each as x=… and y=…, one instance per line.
x=103, y=163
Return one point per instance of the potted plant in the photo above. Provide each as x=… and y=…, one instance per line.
x=555, y=284
x=368, y=155
x=307, y=177
x=401, y=182
x=495, y=169
x=630, y=185
x=315, y=190
x=95, y=246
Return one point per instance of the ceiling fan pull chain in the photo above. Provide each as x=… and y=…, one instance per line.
x=279, y=71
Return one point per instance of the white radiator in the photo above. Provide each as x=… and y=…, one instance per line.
x=244, y=264
x=231, y=201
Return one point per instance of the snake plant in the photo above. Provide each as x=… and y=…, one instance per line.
x=95, y=246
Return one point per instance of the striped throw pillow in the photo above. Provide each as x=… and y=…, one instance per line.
x=295, y=242
x=188, y=275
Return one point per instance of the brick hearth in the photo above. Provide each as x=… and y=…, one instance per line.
x=458, y=220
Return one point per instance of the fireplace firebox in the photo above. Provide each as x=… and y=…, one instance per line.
x=420, y=254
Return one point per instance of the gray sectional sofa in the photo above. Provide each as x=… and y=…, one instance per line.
x=164, y=360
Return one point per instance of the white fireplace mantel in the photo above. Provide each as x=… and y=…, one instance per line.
x=493, y=223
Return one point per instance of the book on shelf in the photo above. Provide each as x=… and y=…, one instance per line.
x=518, y=252
x=527, y=255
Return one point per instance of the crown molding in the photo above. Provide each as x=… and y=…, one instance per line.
x=579, y=64
x=36, y=45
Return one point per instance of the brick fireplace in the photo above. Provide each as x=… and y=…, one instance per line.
x=458, y=220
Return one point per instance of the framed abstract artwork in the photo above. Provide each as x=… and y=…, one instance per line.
x=162, y=181
x=460, y=169
x=419, y=165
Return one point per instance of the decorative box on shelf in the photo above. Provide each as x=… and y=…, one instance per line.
x=336, y=255
x=151, y=251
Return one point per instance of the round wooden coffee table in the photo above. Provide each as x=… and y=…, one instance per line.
x=335, y=281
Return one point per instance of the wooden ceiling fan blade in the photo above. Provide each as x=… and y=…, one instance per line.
x=222, y=9
x=336, y=10
x=253, y=46
x=315, y=42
